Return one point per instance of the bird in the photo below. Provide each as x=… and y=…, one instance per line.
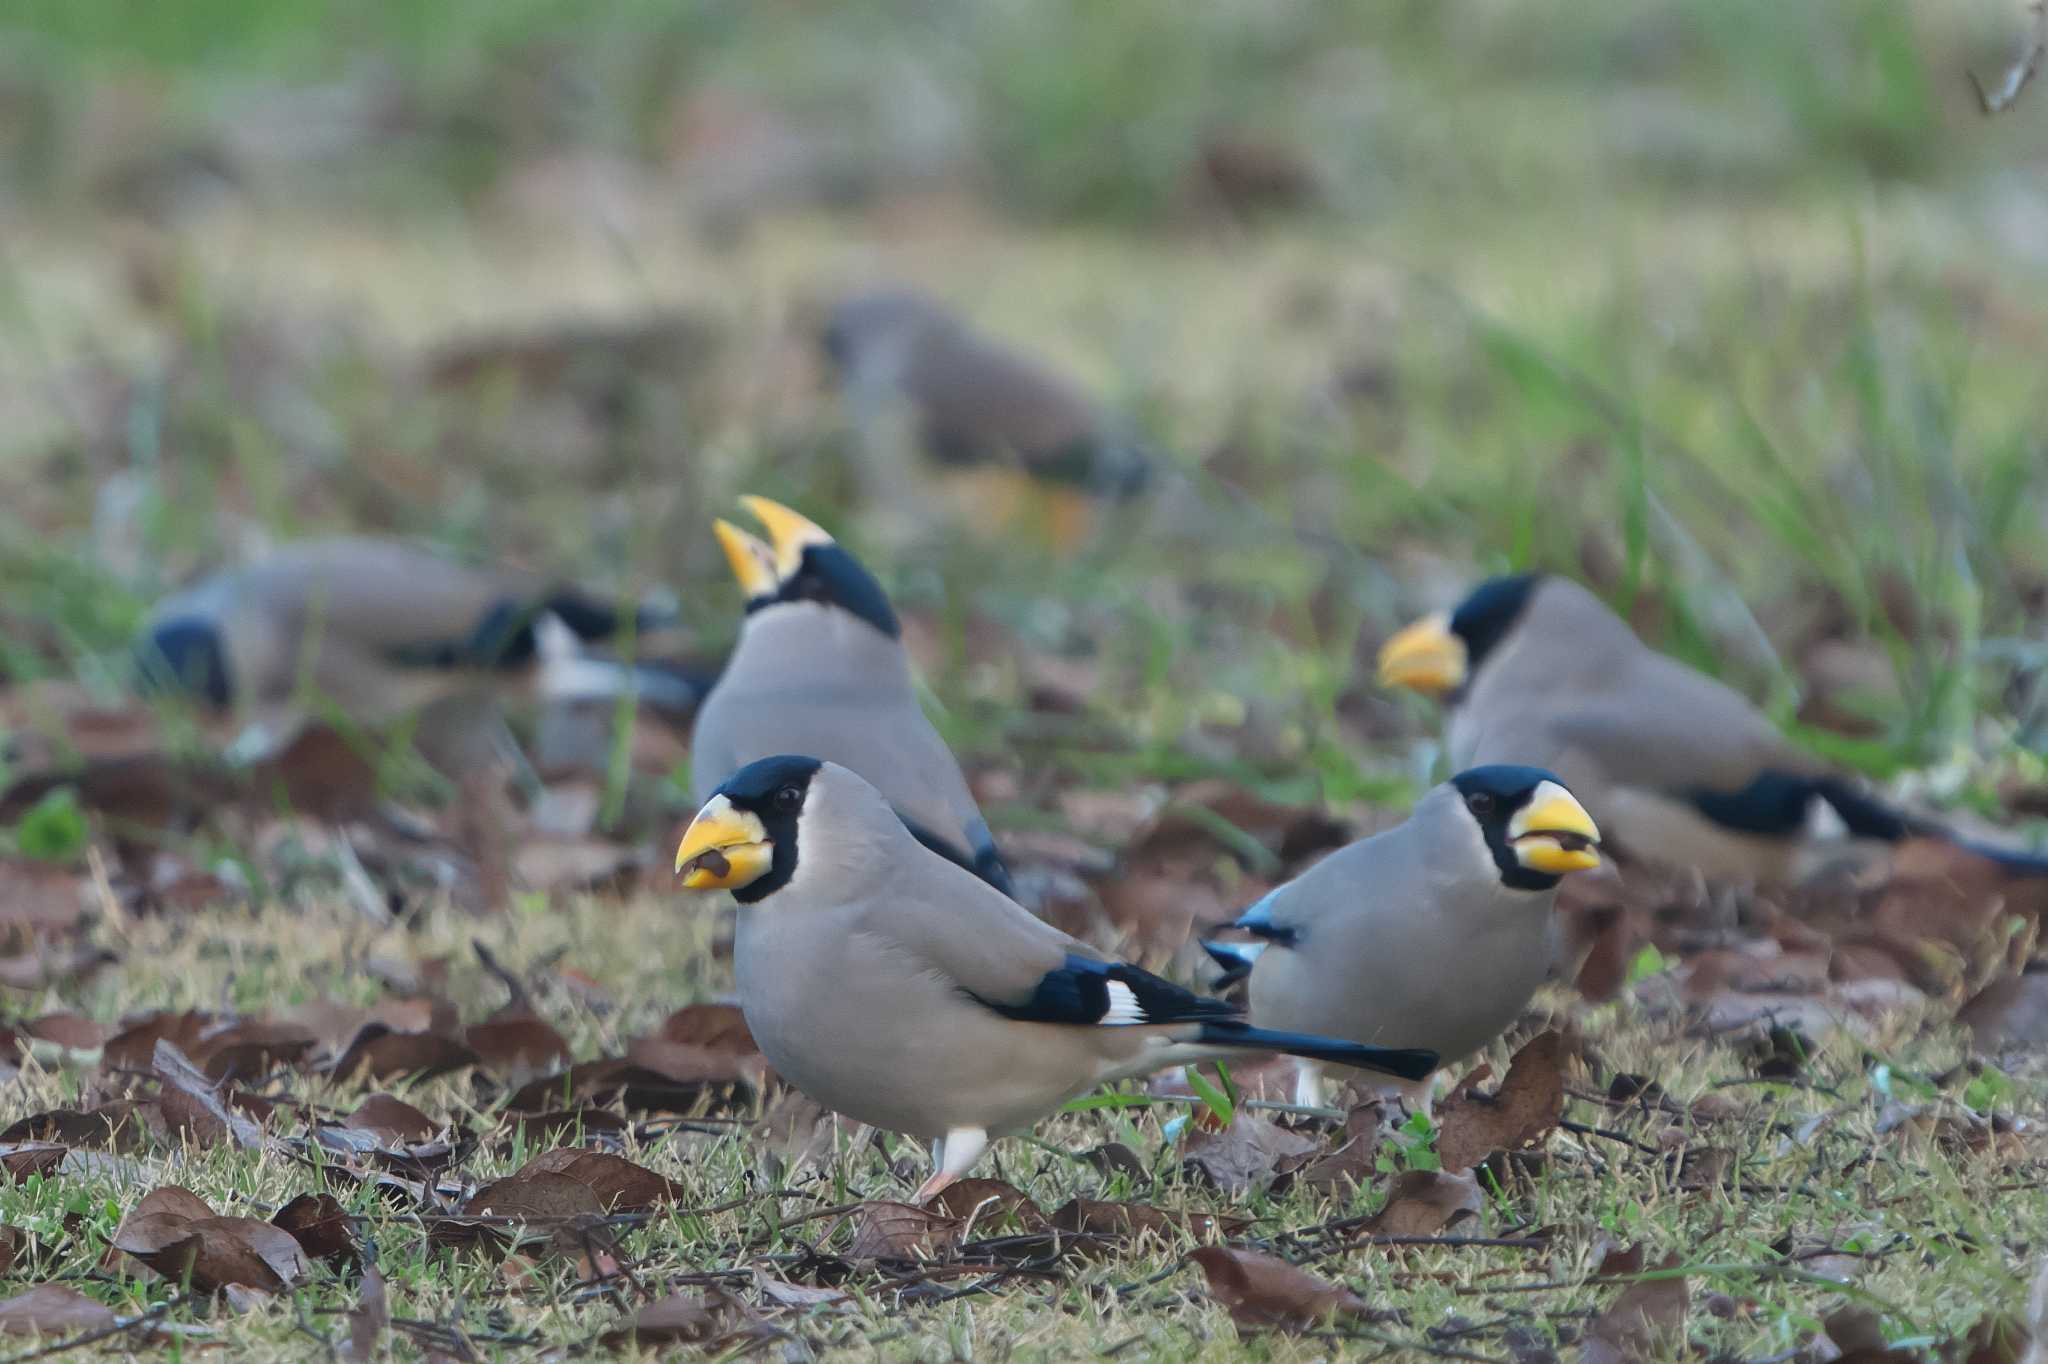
x=1678, y=768
x=373, y=627
x=915, y=374
x=820, y=668
x=892, y=985
x=1434, y=933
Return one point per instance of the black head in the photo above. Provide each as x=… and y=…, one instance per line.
x=185, y=657
x=1534, y=828
x=1489, y=611
x=744, y=839
x=827, y=574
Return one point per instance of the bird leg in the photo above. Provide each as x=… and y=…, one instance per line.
x=953, y=1155
x=1308, y=1084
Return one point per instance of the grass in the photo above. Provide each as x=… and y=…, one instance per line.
x=1717, y=306
x=1934, y=1228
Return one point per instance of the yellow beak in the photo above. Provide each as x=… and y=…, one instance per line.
x=753, y=563
x=791, y=532
x=1554, y=834
x=1424, y=657
x=724, y=848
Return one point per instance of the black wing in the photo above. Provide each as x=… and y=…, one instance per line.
x=1112, y=993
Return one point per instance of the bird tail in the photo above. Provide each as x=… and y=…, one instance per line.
x=1869, y=818
x=1236, y=959
x=2015, y=860
x=1409, y=1063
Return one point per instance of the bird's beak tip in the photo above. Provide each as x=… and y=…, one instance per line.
x=1425, y=657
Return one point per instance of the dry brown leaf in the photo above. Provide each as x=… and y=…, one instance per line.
x=52, y=1309
x=134, y=1047
x=191, y=1105
x=901, y=1231
x=214, y=1252
x=987, y=1204
x=783, y=1293
x=680, y=1319
x=321, y=1226
x=619, y=1184
x=1524, y=1111
x=1245, y=1154
x=1644, y=1317
x=367, y=1320
x=1116, y=1222
x=2010, y=1011
x=1263, y=1290
x=1352, y=1160
x=378, y=1053
x=611, y=1080
x=39, y=897
x=1857, y=1335
x=13, y=1241
x=1426, y=1203
x=72, y=1032
x=22, y=1159
x=517, y=1047
x=573, y=1126
x=393, y=1120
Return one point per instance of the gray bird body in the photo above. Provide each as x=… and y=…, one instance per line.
x=1633, y=732
x=1407, y=939
x=972, y=400
x=338, y=616
x=806, y=678
x=373, y=628
x=895, y=986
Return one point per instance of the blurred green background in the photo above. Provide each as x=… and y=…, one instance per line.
x=1733, y=308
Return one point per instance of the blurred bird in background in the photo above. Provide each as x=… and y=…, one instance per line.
x=934, y=403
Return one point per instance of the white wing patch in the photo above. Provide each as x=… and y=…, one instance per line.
x=1123, y=1005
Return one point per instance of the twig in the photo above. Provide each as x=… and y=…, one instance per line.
x=121, y=1326
x=521, y=997
x=1608, y=1134
x=2023, y=68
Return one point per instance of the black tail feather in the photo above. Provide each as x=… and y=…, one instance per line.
x=1409, y=1063
x=1236, y=967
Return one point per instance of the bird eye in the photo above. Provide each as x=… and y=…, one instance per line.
x=1479, y=803
x=788, y=799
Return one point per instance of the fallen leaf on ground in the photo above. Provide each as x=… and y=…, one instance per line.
x=1426, y=1203
x=1263, y=1290
x=1243, y=1155
x=393, y=1119
x=1127, y=1221
x=367, y=1320
x=1644, y=1318
x=321, y=1226
x=51, y=1309
x=619, y=1184
x=191, y=1105
x=901, y=1231
x=379, y=1053
x=680, y=1319
x=1351, y=1162
x=987, y=1204
x=1526, y=1108
x=213, y=1252
x=25, y=1158
x=518, y=1047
